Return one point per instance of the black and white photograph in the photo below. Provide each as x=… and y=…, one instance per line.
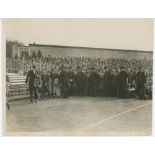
x=77, y=77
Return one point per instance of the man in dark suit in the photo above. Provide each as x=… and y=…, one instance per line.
x=94, y=80
x=140, y=82
x=80, y=80
x=64, y=82
x=122, y=83
x=31, y=76
x=71, y=77
x=107, y=79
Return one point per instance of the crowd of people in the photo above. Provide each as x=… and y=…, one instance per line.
x=90, y=76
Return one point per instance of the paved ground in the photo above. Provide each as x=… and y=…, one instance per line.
x=88, y=116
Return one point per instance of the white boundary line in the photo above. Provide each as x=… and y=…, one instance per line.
x=114, y=116
x=39, y=103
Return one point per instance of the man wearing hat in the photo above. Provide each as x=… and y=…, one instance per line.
x=80, y=81
x=140, y=83
x=122, y=83
x=71, y=77
x=107, y=82
x=94, y=80
x=31, y=76
x=64, y=82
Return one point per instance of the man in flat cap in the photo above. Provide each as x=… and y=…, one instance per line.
x=30, y=79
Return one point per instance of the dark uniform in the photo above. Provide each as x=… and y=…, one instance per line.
x=64, y=83
x=80, y=81
x=87, y=90
x=107, y=81
x=140, y=82
x=94, y=80
x=71, y=77
x=122, y=83
x=114, y=85
x=44, y=86
x=31, y=79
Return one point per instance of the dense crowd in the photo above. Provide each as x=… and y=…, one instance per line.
x=86, y=76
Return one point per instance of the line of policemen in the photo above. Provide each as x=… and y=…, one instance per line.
x=111, y=84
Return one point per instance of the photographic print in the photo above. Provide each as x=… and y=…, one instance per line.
x=77, y=77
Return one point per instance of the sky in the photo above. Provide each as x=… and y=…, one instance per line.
x=129, y=34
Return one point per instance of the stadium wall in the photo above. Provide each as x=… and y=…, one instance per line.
x=62, y=51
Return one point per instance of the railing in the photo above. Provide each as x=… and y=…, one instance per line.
x=16, y=87
x=16, y=66
x=22, y=66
